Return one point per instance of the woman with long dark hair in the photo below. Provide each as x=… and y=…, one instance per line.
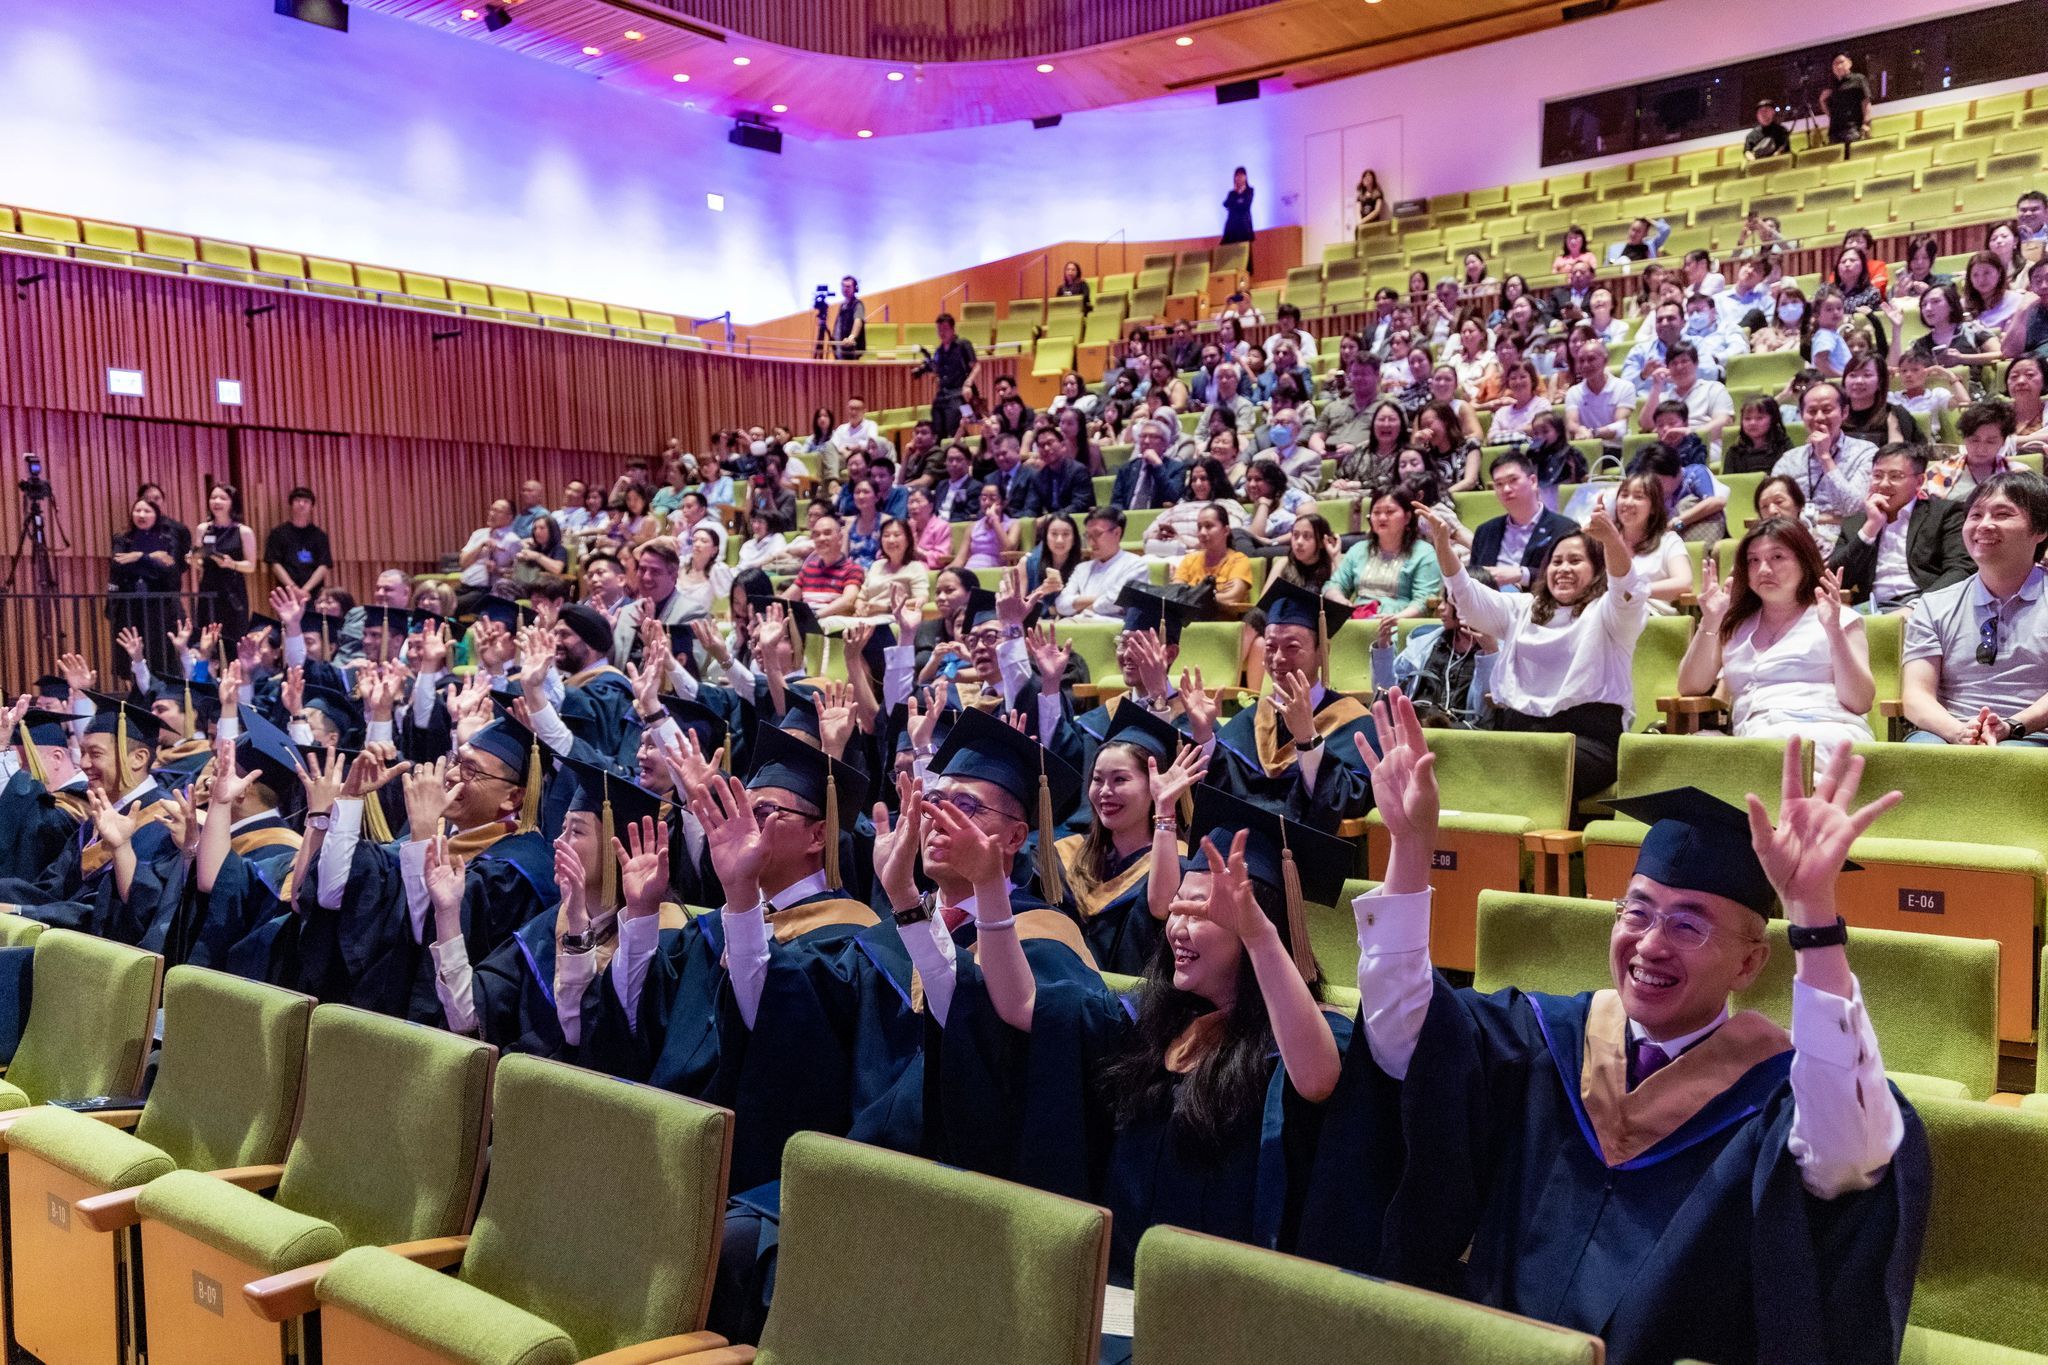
x=1052, y=562
x=1656, y=550
x=1237, y=212
x=1392, y=569
x=1760, y=441
x=225, y=551
x=1173, y=532
x=941, y=641
x=142, y=581
x=1073, y=282
x=1372, y=200
x=1868, y=410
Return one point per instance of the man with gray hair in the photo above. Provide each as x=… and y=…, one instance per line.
x=1230, y=407
x=1152, y=477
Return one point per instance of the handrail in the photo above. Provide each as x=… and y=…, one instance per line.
x=962, y=289
x=1043, y=260
x=1123, y=253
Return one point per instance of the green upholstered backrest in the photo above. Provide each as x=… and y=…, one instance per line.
x=89, y=1022
x=1960, y=794
x=1985, y=1260
x=1210, y=648
x=1932, y=999
x=1495, y=772
x=1655, y=667
x=392, y=1126
x=621, y=1260
x=19, y=931
x=227, y=1084
x=1223, y=1303
x=2040, y=1052
x=976, y=1269
x=1731, y=769
x=1095, y=643
x=1886, y=634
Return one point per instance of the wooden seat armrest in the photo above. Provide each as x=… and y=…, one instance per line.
x=119, y=1118
x=2006, y=1099
x=1691, y=706
x=109, y=1212
x=290, y=1294
x=700, y=1348
x=1891, y=708
x=250, y=1177
x=1352, y=829
x=1565, y=841
x=1100, y=690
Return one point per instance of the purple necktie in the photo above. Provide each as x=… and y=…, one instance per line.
x=1650, y=1059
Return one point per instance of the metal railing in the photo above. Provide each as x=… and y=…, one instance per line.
x=38, y=629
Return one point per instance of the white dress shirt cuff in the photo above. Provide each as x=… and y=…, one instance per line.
x=1048, y=716
x=1013, y=662
x=746, y=957
x=412, y=869
x=934, y=964
x=1394, y=980
x=140, y=669
x=379, y=732
x=453, y=982
x=549, y=728
x=230, y=727
x=338, y=850
x=423, y=697
x=573, y=974
x=638, y=939
x=682, y=681
x=1846, y=1122
x=899, y=674
x=294, y=649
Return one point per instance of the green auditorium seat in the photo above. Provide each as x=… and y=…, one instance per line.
x=1655, y=666
x=1949, y=861
x=1731, y=769
x=108, y=243
x=1015, y=331
x=624, y=1263
x=19, y=931
x=1933, y=1001
x=389, y=1149
x=1761, y=374
x=1202, y=1298
x=53, y=227
x=1095, y=643
x=89, y=1024
x=226, y=1090
x=382, y=279
x=335, y=278
x=289, y=264
x=229, y=261
x=1032, y=1265
x=1496, y=788
x=1053, y=357
x=1984, y=1262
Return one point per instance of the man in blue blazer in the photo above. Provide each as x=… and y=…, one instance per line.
x=1150, y=478
x=1511, y=550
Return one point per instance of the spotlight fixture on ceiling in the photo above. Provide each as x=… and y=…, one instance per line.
x=1183, y=41
x=743, y=61
x=634, y=35
x=496, y=17
x=472, y=14
x=1044, y=67
x=895, y=75
x=681, y=78
x=865, y=132
x=593, y=52
x=778, y=108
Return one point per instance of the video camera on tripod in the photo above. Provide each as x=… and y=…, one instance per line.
x=35, y=487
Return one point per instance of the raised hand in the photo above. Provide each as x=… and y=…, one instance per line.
x=293, y=694
x=905, y=611
x=965, y=846
x=185, y=821
x=1010, y=597
x=1403, y=771
x=737, y=842
x=288, y=605
x=326, y=775
x=1827, y=599
x=370, y=772
x=209, y=642
x=643, y=867
x=249, y=649
x=771, y=633
x=897, y=844
x=835, y=717
x=228, y=785
x=445, y=879
x=705, y=630
x=10, y=720
x=76, y=671
x=1049, y=657
x=494, y=648
x=181, y=636
x=1600, y=526
x=1147, y=655
x=115, y=827
x=1189, y=767
x=1291, y=697
x=569, y=882
x=427, y=796
x=1231, y=903
x=536, y=657
x=923, y=723
x=1802, y=852
x=646, y=681
x=1715, y=596
x=469, y=706
x=130, y=640
x=1200, y=708
x=1384, y=632
x=434, y=648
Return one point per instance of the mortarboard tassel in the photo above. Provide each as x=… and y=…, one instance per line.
x=1050, y=884
x=191, y=721
x=374, y=820
x=1322, y=644
x=831, y=829
x=31, y=755
x=529, y=807
x=608, y=891
x=1297, y=919
x=121, y=752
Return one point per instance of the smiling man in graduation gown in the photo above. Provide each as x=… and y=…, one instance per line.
x=242, y=877
x=1638, y=1162
x=44, y=799
x=1293, y=752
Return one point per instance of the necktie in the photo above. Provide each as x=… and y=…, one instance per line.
x=1141, y=496
x=1650, y=1059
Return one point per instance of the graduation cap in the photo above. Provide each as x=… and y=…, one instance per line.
x=512, y=744
x=981, y=606
x=880, y=640
x=617, y=801
x=505, y=612
x=327, y=625
x=1302, y=864
x=40, y=729
x=390, y=620
x=1700, y=843
x=271, y=753
x=1288, y=604
x=1147, y=608
x=988, y=749
x=1135, y=725
x=259, y=622
x=838, y=791
x=709, y=726
x=52, y=686
x=200, y=708
x=800, y=714
x=129, y=724
x=337, y=706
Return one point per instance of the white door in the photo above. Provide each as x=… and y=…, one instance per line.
x=1332, y=162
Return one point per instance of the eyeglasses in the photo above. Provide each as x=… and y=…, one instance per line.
x=1683, y=930
x=984, y=637
x=764, y=811
x=970, y=807
x=1987, y=641
x=467, y=770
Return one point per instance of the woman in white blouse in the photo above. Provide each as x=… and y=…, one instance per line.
x=1472, y=360
x=1511, y=419
x=896, y=566
x=1658, y=553
x=703, y=579
x=1777, y=643
x=1566, y=646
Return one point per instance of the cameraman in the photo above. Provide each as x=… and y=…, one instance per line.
x=955, y=367
x=850, y=327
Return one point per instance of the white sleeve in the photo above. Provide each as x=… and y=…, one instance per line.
x=412, y=870
x=551, y=687
x=638, y=938
x=140, y=669
x=740, y=678
x=338, y=850
x=378, y=732
x=423, y=697
x=899, y=675
x=692, y=832
x=230, y=727
x=245, y=695
x=573, y=974
x=294, y=650
x=681, y=681
x=746, y=957
x=1048, y=716
x=1845, y=1120
x=549, y=729
x=453, y=983
x=931, y=953
x=1013, y=662
x=1394, y=979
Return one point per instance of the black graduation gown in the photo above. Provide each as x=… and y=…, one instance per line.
x=1705, y=1245
x=1343, y=789
x=1116, y=918
x=513, y=993
x=1029, y=1107
x=597, y=710
x=39, y=825
x=90, y=901
x=213, y=927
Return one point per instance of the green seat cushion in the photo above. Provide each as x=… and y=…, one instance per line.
x=1474, y=822
x=12, y=1097
x=1623, y=833
x=1925, y=1346
x=1948, y=853
x=257, y=1231
x=439, y=1313
x=1917, y=1087
x=2037, y=1104
x=100, y=1154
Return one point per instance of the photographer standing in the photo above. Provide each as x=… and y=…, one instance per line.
x=850, y=327
x=955, y=366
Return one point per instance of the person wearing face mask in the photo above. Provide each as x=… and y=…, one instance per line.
x=1300, y=462
x=1714, y=339
x=1787, y=322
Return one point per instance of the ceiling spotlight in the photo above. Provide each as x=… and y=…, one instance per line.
x=1183, y=41
x=778, y=108
x=743, y=61
x=865, y=132
x=496, y=17
x=681, y=78
x=1044, y=67
x=895, y=75
x=593, y=52
x=472, y=14
x=634, y=35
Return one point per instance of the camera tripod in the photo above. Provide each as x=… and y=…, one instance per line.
x=32, y=549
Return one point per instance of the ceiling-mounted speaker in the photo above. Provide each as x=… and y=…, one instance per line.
x=496, y=17
x=326, y=13
x=1587, y=9
x=1231, y=92
x=751, y=133
x=1049, y=121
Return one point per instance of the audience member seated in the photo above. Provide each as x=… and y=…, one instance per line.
x=1987, y=449
x=1371, y=465
x=702, y=579
x=991, y=538
x=1511, y=420
x=1642, y=242
x=1556, y=459
x=1228, y=407
x=1172, y=533
x=1453, y=457
x=1832, y=470
x=1655, y=550
x=1274, y=505
x=1566, y=645
x=1393, y=571
x=1301, y=463
x=1150, y=477
x=1446, y=670
x=765, y=545
x=1091, y=592
x=1769, y=137
x=2024, y=384
x=1574, y=252
x=1055, y=560
x=864, y=527
x=1597, y=408
x=956, y=493
x=1667, y=330
x=1761, y=439
x=1976, y=652
x=1868, y=410
x=1215, y=561
x=830, y=580
x=896, y=575
x=1694, y=499
x=1010, y=476
x=1443, y=388
x=1511, y=550
x=941, y=640
x=1904, y=543
x=1061, y=483
x=488, y=554
x=1778, y=496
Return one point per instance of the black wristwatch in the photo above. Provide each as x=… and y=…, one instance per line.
x=917, y=912
x=1309, y=745
x=2015, y=729
x=1823, y=936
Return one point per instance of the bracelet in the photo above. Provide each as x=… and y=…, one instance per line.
x=990, y=926
x=1169, y=823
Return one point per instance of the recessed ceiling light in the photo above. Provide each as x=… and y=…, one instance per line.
x=865, y=132
x=1185, y=41
x=1044, y=67
x=593, y=52
x=778, y=108
x=634, y=35
x=743, y=61
x=681, y=78
x=895, y=75
x=472, y=14
x=715, y=202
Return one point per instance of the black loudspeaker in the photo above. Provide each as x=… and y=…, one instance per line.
x=1049, y=121
x=496, y=17
x=757, y=137
x=1233, y=91
x=326, y=13
x=1586, y=9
